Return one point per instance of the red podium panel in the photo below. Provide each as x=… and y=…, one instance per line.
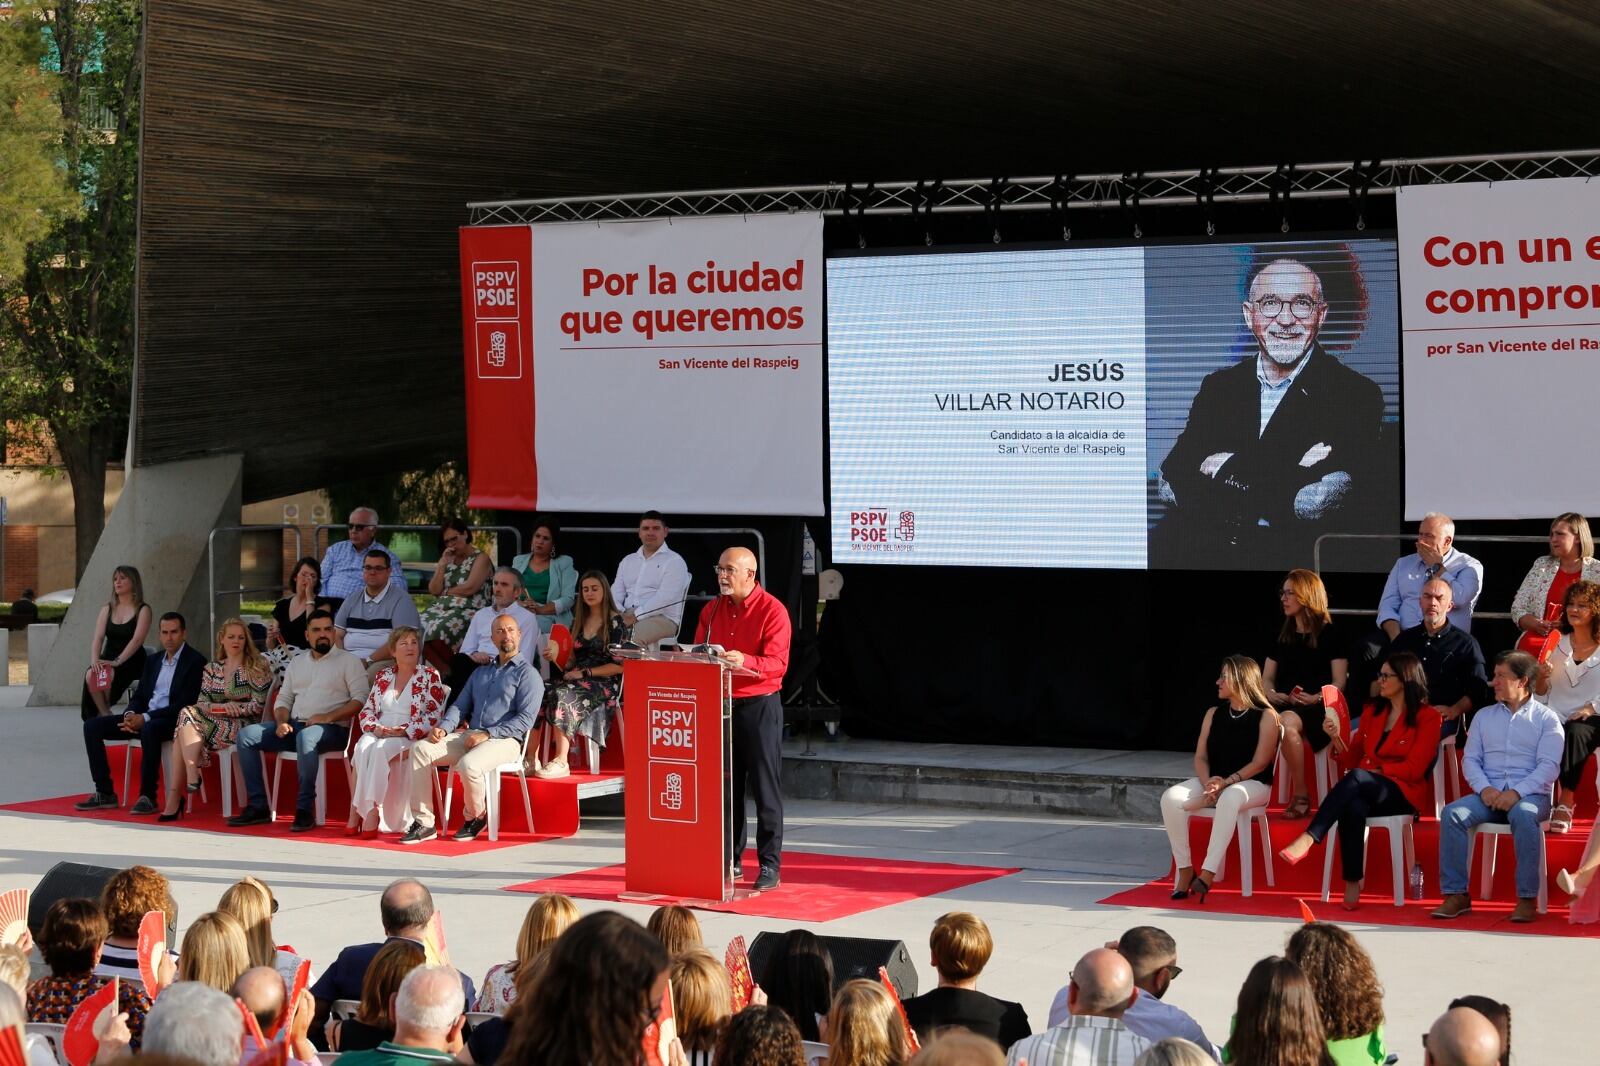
x=675, y=740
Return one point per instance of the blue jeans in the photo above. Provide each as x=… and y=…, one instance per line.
x=1526, y=840
x=306, y=741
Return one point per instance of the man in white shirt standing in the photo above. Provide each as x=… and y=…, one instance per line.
x=651, y=584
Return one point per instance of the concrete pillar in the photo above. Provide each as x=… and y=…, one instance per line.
x=160, y=525
x=41, y=636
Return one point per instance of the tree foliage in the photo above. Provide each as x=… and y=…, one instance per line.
x=34, y=191
x=66, y=318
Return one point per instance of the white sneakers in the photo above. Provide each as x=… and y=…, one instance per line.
x=553, y=769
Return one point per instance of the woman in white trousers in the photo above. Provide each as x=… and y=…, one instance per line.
x=407, y=700
x=1233, y=762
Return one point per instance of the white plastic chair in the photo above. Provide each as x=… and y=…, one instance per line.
x=816, y=1053
x=478, y=1017
x=1402, y=846
x=1446, y=777
x=54, y=1035
x=1258, y=815
x=344, y=1008
x=1322, y=771
x=1496, y=830
x=342, y=755
x=491, y=797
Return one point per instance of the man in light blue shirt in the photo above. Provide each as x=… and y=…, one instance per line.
x=341, y=563
x=1513, y=754
x=1435, y=556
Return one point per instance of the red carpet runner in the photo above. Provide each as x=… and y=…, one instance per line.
x=816, y=887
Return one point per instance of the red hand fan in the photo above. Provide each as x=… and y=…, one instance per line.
x=13, y=915
x=302, y=977
x=13, y=1047
x=433, y=945
x=252, y=1028
x=78, y=1041
x=561, y=640
x=659, y=1034
x=274, y=1054
x=152, y=947
x=911, y=1034
x=1548, y=645
x=737, y=960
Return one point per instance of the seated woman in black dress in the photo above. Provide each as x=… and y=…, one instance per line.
x=290, y=614
x=1233, y=762
x=1309, y=653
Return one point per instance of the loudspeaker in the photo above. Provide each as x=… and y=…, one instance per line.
x=852, y=957
x=66, y=880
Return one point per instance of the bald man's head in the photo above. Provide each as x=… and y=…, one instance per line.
x=406, y=907
x=260, y=989
x=736, y=573
x=1463, y=1037
x=1102, y=984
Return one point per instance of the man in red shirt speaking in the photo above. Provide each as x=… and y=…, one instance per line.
x=753, y=627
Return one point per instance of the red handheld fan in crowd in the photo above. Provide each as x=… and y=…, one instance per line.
x=79, y=1042
x=561, y=642
x=152, y=946
x=13, y=915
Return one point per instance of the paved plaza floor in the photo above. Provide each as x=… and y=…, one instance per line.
x=1042, y=918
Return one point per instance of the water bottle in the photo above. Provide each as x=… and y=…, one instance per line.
x=1416, y=880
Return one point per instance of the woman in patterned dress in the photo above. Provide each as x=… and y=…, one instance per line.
x=584, y=701
x=233, y=694
x=461, y=581
x=405, y=704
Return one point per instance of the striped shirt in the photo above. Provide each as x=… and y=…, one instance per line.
x=1083, y=1040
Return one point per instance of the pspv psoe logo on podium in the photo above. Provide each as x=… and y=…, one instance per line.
x=673, y=741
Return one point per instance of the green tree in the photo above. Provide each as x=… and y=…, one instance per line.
x=34, y=193
x=66, y=321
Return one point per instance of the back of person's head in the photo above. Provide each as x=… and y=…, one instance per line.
x=388, y=968
x=14, y=969
x=250, y=901
x=1276, y=1023
x=71, y=936
x=961, y=946
x=676, y=927
x=131, y=894
x=594, y=999
x=1497, y=1012
x=864, y=1028
x=799, y=978
x=214, y=951
x=1102, y=984
x=406, y=907
x=193, y=1022
x=1147, y=950
x=760, y=1035
x=1349, y=997
x=959, y=1047
x=548, y=917
x=12, y=1011
x=430, y=1002
x=701, y=998
x=261, y=990
x=1174, y=1051
x=1462, y=1036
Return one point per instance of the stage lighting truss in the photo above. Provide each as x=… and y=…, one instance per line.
x=1259, y=184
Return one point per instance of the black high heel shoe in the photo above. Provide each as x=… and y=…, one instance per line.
x=1199, y=888
x=1183, y=893
x=173, y=817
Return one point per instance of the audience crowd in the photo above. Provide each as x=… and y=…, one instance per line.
x=592, y=990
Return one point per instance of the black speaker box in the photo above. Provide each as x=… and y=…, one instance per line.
x=72, y=880
x=852, y=957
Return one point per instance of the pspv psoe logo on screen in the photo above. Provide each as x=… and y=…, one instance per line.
x=882, y=529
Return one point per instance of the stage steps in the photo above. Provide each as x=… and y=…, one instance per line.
x=1123, y=785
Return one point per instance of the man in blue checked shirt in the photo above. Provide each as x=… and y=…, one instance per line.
x=1513, y=753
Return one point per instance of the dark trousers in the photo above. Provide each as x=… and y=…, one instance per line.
x=153, y=734
x=1582, y=738
x=758, y=767
x=122, y=676
x=1359, y=795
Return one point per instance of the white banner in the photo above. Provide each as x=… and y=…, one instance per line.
x=678, y=365
x=1500, y=304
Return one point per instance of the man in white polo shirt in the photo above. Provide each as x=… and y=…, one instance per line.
x=477, y=647
x=651, y=584
x=365, y=620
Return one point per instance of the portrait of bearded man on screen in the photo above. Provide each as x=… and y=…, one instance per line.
x=1288, y=442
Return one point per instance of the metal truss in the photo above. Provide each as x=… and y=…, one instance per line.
x=1061, y=192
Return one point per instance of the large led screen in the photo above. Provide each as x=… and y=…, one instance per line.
x=1211, y=406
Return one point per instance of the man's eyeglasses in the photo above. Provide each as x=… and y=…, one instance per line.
x=360, y=525
x=1302, y=307
x=731, y=570
x=1173, y=971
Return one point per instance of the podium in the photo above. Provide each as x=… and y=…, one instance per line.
x=677, y=707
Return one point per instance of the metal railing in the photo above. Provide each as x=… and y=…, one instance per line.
x=211, y=567
x=325, y=527
x=761, y=542
x=1519, y=538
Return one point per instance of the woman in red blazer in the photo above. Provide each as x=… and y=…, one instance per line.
x=1388, y=760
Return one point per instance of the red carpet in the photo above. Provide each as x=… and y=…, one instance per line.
x=1304, y=882
x=816, y=887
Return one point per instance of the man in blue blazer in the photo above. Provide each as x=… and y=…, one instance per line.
x=171, y=682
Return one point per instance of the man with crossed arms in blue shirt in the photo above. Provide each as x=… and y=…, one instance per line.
x=1513, y=753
